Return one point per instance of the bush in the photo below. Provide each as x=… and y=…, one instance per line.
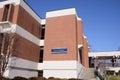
x=37, y=78
x=52, y=78
x=42, y=78
x=19, y=78
x=110, y=72
x=74, y=79
x=33, y=78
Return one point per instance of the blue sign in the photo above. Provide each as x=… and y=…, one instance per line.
x=59, y=50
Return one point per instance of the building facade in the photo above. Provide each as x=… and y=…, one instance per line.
x=51, y=47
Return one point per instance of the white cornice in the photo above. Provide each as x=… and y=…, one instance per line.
x=80, y=45
x=15, y=2
x=79, y=19
x=62, y=12
x=84, y=36
x=43, y=21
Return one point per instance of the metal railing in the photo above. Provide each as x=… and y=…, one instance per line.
x=99, y=75
x=103, y=67
x=109, y=65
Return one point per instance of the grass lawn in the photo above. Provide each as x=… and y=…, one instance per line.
x=111, y=77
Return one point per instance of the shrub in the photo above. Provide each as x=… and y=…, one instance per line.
x=74, y=79
x=33, y=78
x=110, y=72
x=42, y=78
x=52, y=78
x=19, y=78
x=37, y=78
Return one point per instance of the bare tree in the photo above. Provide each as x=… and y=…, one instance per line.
x=7, y=50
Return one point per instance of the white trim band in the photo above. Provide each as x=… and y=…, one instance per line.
x=14, y=28
x=79, y=19
x=62, y=12
x=41, y=42
x=22, y=63
x=27, y=35
x=15, y=2
x=100, y=54
x=43, y=21
x=60, y=65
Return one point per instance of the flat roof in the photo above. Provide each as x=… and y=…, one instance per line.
x=101, y=54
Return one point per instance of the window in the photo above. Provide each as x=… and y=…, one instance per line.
x=91, y=62
x=40, y=73
x=43, y=32
x=80, y=54
x=41, y=54
x=6, y=10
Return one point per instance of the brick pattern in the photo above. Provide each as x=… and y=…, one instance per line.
x=60, y=33
x=26, y=49
x=1, y=13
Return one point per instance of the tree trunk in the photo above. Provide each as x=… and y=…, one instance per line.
x=6, y=51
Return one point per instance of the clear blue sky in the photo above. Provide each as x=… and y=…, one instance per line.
x=101, y=19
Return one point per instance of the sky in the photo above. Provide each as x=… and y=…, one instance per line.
x=101, y=19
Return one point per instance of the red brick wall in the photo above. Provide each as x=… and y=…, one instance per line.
x=26, y=49
x=61, y=33
x=20, y=16
x=26, y=21
x=13, y=18
x=11, y=13
x=83, y=41
x=85, y=53
x=1, y=13
x=79, y=32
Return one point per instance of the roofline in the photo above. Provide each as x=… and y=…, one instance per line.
x=60, y=12
x=104, y=51
x=33, y=10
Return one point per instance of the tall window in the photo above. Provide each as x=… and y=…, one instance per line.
x=41, y=54
x=43, y=32
x=6, y=10
x=80, y=54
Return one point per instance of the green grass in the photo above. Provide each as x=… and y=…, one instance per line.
x=111, y=77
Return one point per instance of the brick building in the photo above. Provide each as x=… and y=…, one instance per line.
x=55, y=46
